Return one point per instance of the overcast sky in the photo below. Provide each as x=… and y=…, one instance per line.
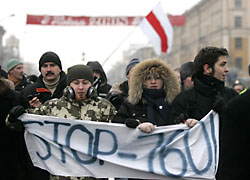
x=69, y=42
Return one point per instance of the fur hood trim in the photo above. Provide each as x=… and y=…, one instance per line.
x=152, y=68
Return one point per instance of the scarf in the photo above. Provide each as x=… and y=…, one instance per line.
x=210, y=81
x=156, y=101
x=212, y=87
x=14, y=80
x=52, y=86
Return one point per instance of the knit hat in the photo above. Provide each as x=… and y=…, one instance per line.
x=186, y=70
x=79, y=72
x=50, y=57
x=131, y=64
x=13, y=63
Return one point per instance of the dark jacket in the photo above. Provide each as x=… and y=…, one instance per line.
x=103, y=87
x=137, y=111
x=208, y=93
x=118, y=94
x=234, y=161
x=13, y=161
x=22, y=84
x=39, y=89
x=136, y=106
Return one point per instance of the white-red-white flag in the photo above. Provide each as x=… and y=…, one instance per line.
x=156, y=26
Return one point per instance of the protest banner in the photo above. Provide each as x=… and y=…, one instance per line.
x=85, y=148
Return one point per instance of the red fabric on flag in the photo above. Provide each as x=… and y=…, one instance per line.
x=158, y=28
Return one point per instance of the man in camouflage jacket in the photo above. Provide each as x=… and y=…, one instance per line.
x=79, y=102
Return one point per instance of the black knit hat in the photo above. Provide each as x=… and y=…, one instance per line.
x=79, y=72
x=50, y=57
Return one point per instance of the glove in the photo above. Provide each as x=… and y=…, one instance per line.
x=14, y=113
x=181, y=118
x=132, y=123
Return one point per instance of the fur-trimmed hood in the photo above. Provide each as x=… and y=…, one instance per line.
x=149, y=68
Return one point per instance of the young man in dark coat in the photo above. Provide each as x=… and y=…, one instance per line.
x=152, y=87
x=101, y=82
x=209, y=91
x=50, y=84
x=235, y=147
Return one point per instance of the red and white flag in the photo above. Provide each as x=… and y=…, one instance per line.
x=156, y=26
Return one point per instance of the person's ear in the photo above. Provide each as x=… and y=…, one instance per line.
x=207, y=69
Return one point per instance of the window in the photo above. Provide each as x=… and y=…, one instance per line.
x=238, y=3
x=238, y=62
x=238, y=43
x=238, y=21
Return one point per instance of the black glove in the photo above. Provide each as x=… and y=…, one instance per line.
x=181, y=118
x=218, y=105
x=132, y=123
x=14, y=113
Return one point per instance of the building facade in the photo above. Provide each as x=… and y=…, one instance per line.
x=221, y=23
x=9, y=50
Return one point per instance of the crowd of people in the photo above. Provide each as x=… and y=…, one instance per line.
x=153, y=95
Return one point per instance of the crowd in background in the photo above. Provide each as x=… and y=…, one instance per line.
x=154, y=94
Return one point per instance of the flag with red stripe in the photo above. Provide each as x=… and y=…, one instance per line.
x=156, y=26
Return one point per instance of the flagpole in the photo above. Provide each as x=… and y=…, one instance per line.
x=119, y=45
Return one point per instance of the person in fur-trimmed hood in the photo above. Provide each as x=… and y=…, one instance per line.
x=152, y=87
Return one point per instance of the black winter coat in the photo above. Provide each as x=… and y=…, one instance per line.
x=200, y=99
x=103, y=90
x=234, y=161
x=103, y=87
x=117, y=98
x=22, y=84
x=13, y=160
x=39, y=89
x=137, y=111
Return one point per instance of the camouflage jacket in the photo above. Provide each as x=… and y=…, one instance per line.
x=94, y=109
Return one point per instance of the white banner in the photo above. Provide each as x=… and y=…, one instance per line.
x=84, y=148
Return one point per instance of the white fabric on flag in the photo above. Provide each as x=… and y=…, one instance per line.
x=156, y=26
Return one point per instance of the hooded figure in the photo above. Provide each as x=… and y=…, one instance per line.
x=152, y=87
x=102, y=86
